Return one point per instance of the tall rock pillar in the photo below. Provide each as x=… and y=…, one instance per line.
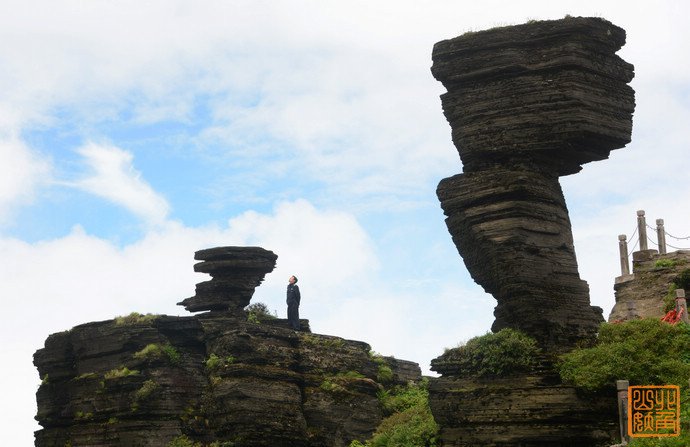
x=526, y=105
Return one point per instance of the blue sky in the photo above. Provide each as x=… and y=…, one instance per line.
x=133, y=134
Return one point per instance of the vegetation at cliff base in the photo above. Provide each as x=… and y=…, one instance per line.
x=644, y=352
x=493, y=354
x=408, y=421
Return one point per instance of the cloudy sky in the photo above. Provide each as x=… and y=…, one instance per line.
x=134, y=133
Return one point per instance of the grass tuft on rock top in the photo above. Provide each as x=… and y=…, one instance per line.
x=493, y=354
x=408, y=421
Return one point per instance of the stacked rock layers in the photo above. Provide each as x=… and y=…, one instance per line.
x=235, y=273
x=214, y=377
x=528, y=104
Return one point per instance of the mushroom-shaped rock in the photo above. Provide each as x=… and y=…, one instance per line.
x=527, y=104
x=235, y=273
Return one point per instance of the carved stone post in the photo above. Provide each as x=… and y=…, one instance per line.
x=661, y=236
x=622, y=387
x=681, y=305
x=623, y=249
x=642, y=229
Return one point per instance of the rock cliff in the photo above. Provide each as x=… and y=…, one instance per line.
x=527, y=104
x=147, y=380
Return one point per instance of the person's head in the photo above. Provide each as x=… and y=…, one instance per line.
x=293, y=279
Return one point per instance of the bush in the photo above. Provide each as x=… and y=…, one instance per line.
x=409, y=422
x=493, y=354
x=258, y=312
x=645, y=352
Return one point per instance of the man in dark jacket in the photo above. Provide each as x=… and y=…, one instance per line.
x=293, y=298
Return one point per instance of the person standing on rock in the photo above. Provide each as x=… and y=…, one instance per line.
x=293, y=298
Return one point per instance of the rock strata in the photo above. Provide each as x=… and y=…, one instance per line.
x=148, y=380
x=216, y=378
x=528, y=104
x=235, y=273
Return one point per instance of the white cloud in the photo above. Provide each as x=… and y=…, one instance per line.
x=23, y=171
x=114, y=178
x=78, y=278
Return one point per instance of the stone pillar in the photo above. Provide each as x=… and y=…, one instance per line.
x=622, y=387
x=661, y=236
x=623, y=249
x=235, y=273
x=681, y=305
x=642, y=229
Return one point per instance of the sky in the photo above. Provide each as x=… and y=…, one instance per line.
x=133, y=134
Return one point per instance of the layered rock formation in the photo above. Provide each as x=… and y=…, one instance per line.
x=148, y=380
x=235, y=273
x=526, y=105
x=527, y=409
x=642, y=294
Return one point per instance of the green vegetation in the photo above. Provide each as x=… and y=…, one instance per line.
x=45, y=380
x=135, y=318
x=81, y=416
x=664, y=263
x=682, y=281
x=408, y=421
x=156, y=351
x=384, y=373
x=494, y=354
x=645, y=352
x=322, y=341
x=113, y=420
x=258, y=312
x=121, y=372
x=213, y=362
x=337, y=383
x=85, y=376
x=146, y=390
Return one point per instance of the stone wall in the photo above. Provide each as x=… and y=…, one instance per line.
x=641, y=294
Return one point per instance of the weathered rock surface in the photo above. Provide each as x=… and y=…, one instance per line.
x=212, y=377
x=235, y=273
x=531, y=409
x=143, y=381
x=641, y=294
x=528, y=104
